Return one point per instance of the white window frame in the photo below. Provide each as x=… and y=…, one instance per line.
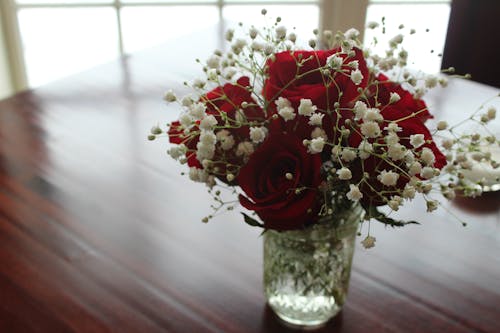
x=334, y=15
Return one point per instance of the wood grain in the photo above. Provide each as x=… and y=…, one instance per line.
x=99, y=232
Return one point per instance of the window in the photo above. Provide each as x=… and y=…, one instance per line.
x=61, y=37
x=50, y=39
x=429, y=18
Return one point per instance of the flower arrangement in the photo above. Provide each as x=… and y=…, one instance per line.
x=301, y=134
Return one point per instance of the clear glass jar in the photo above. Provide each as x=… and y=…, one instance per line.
x=306, y=272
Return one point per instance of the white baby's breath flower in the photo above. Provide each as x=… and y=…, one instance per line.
x=447, y=144
x=177, y=151
x=365, y=149
x=427, y=172
x=203, y=176
x=431, y=81
x=348, y=155
x=334, y=61
x=204, y=151
x=372, y=25
x=388, y=178
x=207, y=138
x=258, y=134
x=257, y=46
x=449, y=194
x=292, y=37
x=212, y=74
x=427, y=156
x=415, y=168
x=368, y=242
x=396, y=152
x=253, y=32
x=229, y=35
x=306, y=108
x=478, y=156
x=461, y=158
x=416, y=182
x=213, y=61
x=194, y=174
x=208, y=123
x=327, y=35
x=370, y=129
x=226, y=139
x=467, y=165
x=199, y=83
x=197, y=110
x=391, y=138
x=442, y=125
x=268, y=49
x=229, y=73
x=185, y=120
x=344, y=173
x=206, y=163
x=238, y=45
x=318, y=132
x=395, y=202
x=240, y=116
x=396, y=40
x=360, y=109
x=244, y=148
x=419, y=93
x=170, y=96
x=394, y=98
x=282, y=102
x=354, y=64
x=409, y=192
x=316, y=119
x=187, y=101
x=287, y=113
x=316, y=145
x=373, y=114
x=417, y=140
x=393, y=127
x=491, y=113
x=432, y=205
x=336, y=151
x=210, y=181
x=356, y=76
x=354, y=193
x=443, y=82
x=280, y=32
x=384, y=64
x=351, y=33
x=403, y=55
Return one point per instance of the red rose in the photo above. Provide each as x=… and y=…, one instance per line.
x=228, y=100
x=324, y=90
x=373, y=165
x=223, y=103
x=176, y=135
x=408, y=104
x=270, y=193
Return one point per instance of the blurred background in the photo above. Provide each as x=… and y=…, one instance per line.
x=44, y=40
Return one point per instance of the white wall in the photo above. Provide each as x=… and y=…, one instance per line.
x=5, y=82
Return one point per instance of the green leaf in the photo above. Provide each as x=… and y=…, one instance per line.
x=381, y=217
x=251, y=221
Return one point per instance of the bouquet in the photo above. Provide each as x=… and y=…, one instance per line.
x=300, y=134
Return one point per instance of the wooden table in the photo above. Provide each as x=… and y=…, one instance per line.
x=99, y=231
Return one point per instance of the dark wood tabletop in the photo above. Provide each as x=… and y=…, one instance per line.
x=100, y=232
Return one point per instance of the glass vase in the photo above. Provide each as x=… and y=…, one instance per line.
x=306, y=272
